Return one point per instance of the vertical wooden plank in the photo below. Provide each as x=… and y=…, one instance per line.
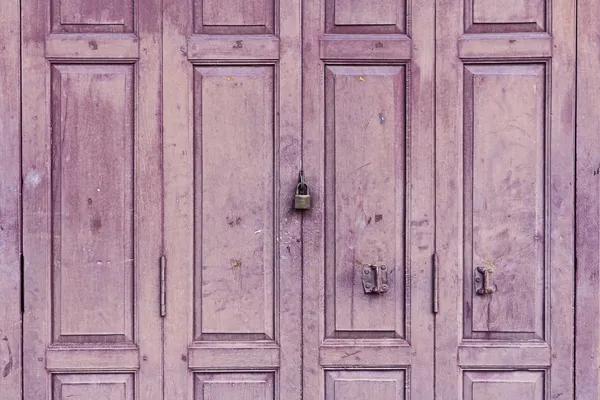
x=313, y=223
x=148, y=203
x=561, y=198
x=10, y=191
x=587, y=340
x=178, y=145
x=36, y=196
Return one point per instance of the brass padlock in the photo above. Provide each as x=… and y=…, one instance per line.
x=302, y=197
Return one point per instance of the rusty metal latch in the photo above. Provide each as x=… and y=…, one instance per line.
x=163, y=285
x=375, y=279
x=487, y=287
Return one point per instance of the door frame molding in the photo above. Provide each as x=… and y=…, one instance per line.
x=10, y=204
x=587, y=198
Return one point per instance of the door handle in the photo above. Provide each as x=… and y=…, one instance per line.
x=486, y=287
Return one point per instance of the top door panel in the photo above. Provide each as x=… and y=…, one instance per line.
x=92, y=16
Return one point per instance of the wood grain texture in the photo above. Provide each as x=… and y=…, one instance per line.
x=366, y=17
x=91, y=207
x=242, y=122
x=552, y=131
x=236, y=17
x=495, y=385
x=353, y=112
x=108, y=16
x=366, y=192
x=587, y=335
x=504, y=200
x=92, y=202
x=242, y=386
x=386, y=384
x=235, y=233
x=10, y=201
x=100, y=386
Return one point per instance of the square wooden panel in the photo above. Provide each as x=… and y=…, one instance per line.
x=235, y=386
x=365, y=16
x=235, y=17
x=92, y=203
x=114, y=16
x=503, y=385
x=489, y=16
x=505, y=181
x=93, y=386
x=235, y=227
x=365, y=384
x=366, y=199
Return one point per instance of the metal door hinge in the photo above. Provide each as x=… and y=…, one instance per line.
x=436, y=299
x=163, y=286
x=22, y=284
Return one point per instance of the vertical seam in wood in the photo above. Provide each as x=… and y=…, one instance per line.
x=574, y=289
x=20, y=229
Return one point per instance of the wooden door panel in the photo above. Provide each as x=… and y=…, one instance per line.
x=232, y=155
x=365, y=212
x=505, y=142
x=234, y=227
x=362, y=16
x=92, y=16
x=10, y=202
x=92, y=203
x=243, y=386
x=91, y=199
x=522, y=385
x=368, y=157
x=234, y=17
x=587, y=356
x=93, y=386
x=365, y=384
x=505, y=200
x=491, y=16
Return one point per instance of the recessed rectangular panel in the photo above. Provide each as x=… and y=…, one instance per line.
x=92, y=386
x=92, y=202
x=508, y=16
x=505, y=201
x=364, y=16
x=502, y=385
x=234, y=234
x=92, y=15
x=365, y=384
x=234, y=17
x=238, y=386
x=365, y=186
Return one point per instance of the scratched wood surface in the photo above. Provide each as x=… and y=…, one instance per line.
x=505, y=180
x=91, y=200
x=231, y=159
x=587, y=354
x=368, y=156
x=10, y=191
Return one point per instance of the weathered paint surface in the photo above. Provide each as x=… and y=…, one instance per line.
x=92, y=200
x=10, y=191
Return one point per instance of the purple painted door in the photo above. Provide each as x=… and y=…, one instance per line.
x=368, y=132
x=91, y=199
x=231, y=105
x=505, y=135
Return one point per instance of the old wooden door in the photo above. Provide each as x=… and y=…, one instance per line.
x=91, y=199
x=368, y=73
x=504, y=213
x=231, y=156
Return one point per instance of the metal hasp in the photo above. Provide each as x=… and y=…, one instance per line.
x=487, y=287
x=302, y=196
x=375, y=279
x=163, y=285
